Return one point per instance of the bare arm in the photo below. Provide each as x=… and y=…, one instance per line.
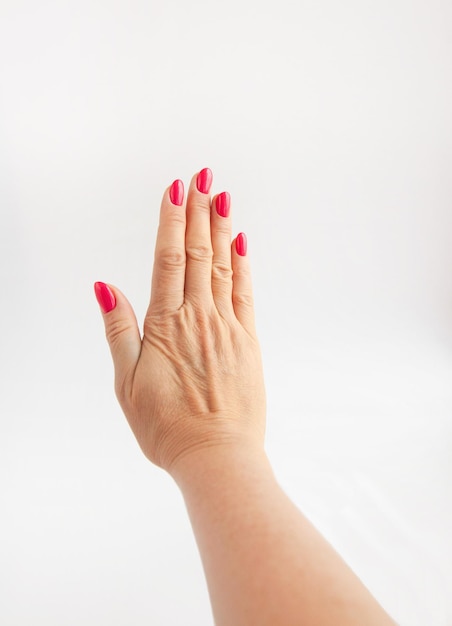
x=192, y=390
x=264, y=562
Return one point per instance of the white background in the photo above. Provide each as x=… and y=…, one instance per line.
x=329, y=122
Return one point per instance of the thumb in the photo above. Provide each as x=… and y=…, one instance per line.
x=121, y=330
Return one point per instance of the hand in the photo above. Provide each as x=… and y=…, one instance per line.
x=195, y=380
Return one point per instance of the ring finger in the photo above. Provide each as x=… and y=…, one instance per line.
x=220, y=225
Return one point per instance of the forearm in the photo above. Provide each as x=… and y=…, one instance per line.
x=264, y=561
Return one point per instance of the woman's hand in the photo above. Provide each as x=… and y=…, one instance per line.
x=193, y=392
x=195, y=380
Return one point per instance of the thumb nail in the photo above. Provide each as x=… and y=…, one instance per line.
x=105, y=297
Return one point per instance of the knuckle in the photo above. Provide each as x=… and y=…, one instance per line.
x=171, y=258
x=223, y=227
x=200, y=252
x=221, y=271
x=175, y=215
x=115, y=329
x=156, y=323
x=242, y=271
x=200, y=203
x=243, y=299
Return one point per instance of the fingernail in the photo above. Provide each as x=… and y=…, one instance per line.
x=241, y=244
x=204, y=180
x=223, y=202
x=105, y=297
x=177, y=192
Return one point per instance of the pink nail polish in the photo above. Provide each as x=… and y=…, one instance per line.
x=105, y=297
x=241, y=244
x=223, y=202
x=204, y=180
x=177, y=192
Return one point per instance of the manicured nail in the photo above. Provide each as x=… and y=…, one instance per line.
x=105, y=297
x=204, y=180
x=241, y=244
x=177, y=192
x=223, y=202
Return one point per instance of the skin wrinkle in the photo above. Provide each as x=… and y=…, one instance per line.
x=193, y=392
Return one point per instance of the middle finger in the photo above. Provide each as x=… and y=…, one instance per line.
x=198, y=242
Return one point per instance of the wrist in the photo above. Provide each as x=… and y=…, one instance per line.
x=218, y=462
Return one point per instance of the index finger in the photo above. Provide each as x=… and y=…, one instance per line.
x=168, y=276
